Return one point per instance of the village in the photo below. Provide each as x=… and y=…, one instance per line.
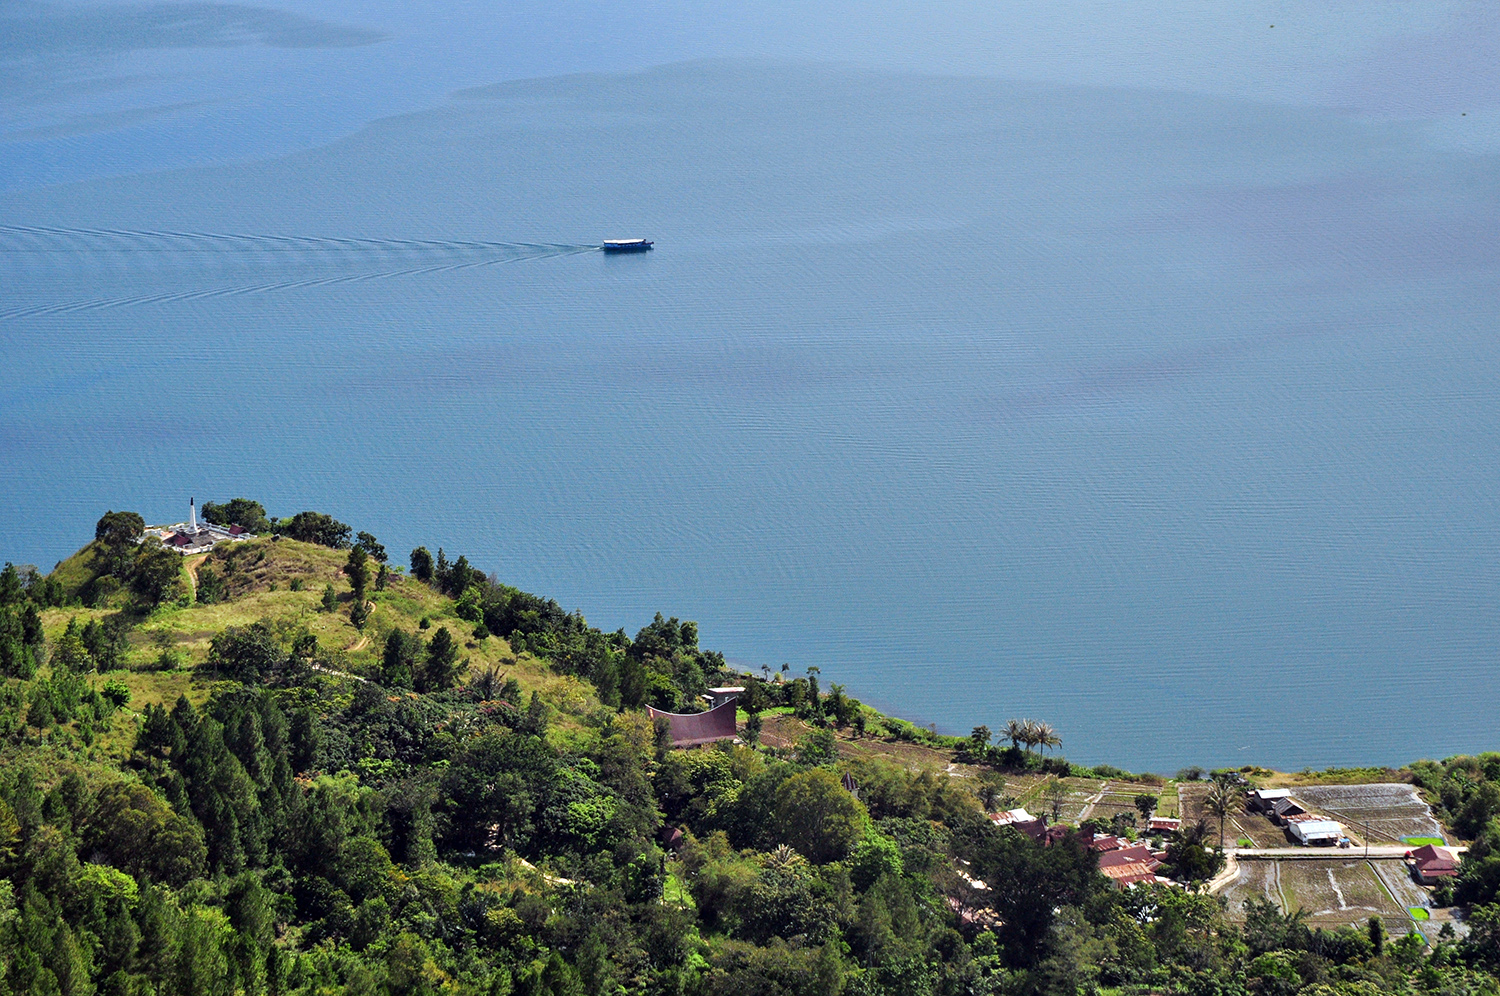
x=1339, y=853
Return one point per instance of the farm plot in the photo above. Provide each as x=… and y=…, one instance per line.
x=1258, y=879
x=1389, y=811
x=1089, y=798
x=1241, y=824
x=1333, y=892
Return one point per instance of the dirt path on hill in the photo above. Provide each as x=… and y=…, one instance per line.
x=359, y=644
x=191, y=566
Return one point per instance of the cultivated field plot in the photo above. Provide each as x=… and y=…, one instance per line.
x=1334, y=891
x=1390, y=811
x=1240, y=825
x=1091, y=798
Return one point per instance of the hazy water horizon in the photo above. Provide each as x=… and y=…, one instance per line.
x=1165, y=416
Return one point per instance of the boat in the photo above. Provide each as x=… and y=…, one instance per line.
x=627, y=245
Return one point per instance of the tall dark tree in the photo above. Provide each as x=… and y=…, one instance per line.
x=440, y=669
x=371, y=546
x=358, y=569
x=401, y=659
x=11, y=589
x=421, y=564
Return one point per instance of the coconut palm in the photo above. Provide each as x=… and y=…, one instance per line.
x=1222, y=799
x=1046, y=736
x=1015, y=732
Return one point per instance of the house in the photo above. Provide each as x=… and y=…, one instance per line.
x=1430, y=863
x=694, y=728
x=1128, y=874
x=1262, y=800
x=1107, y=842
x=726, y=693
x=1165, y=824
x=1010, y=817
x=1319, y=832
x=1039, y=831
x=1128, y=855
x=1282, y=810
x=1129, y=865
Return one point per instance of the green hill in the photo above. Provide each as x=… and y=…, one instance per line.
x=289, y=766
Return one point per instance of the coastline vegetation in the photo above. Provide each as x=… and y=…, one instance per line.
x=294, y=765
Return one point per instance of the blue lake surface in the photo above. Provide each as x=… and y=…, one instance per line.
x=1139, y=375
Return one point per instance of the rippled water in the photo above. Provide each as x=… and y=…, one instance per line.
x=1167, y=417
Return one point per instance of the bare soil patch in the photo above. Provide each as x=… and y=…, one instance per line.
x=1389, y=810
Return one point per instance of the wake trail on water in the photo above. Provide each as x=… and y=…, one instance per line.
x=411, y=253
x=42, y=239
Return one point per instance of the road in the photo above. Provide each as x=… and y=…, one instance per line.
x=1374, y=851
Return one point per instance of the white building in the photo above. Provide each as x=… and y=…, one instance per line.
x=1321, y=832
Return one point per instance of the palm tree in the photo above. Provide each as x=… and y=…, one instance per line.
x=1029, y=731
x=1015, y=732
x=1221, y=800
x=1046, y=736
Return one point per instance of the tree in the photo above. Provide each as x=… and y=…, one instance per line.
x=371, y=546
x=1377, y=936
x=421, y=564
x=991, y=789
x=70, y=655
x=1015, y=732
x=245, y=653
x=316, y=527
x=330, y=600
x=158, y=575
x=399, y=662
x=11, y=589
x=1057, y=791
x=440, y=669
x=116, y=533
x=818, y=817
x=250, y=515
x=1222, y=799
x=131, y=827
x=211, y=588
x=1145, y=804
x=1029, y=884
x=357, y=567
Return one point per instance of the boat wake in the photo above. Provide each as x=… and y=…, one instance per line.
x=37, y=251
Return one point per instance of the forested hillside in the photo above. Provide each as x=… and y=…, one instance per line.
x=296, y=766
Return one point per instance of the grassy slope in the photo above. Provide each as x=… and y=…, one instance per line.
x=259, y=574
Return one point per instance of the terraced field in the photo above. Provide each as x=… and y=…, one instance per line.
x=1389, y=811
x=1333, y=891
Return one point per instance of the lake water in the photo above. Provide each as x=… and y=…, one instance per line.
x=1138, y=375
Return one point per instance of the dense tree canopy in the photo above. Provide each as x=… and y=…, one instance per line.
x=299, y=817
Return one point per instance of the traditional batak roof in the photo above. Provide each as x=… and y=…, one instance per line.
x=693, y=728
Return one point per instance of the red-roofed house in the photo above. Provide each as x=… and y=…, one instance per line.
x=1128, y=855
x=1430, y=863
x=1130, y=873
